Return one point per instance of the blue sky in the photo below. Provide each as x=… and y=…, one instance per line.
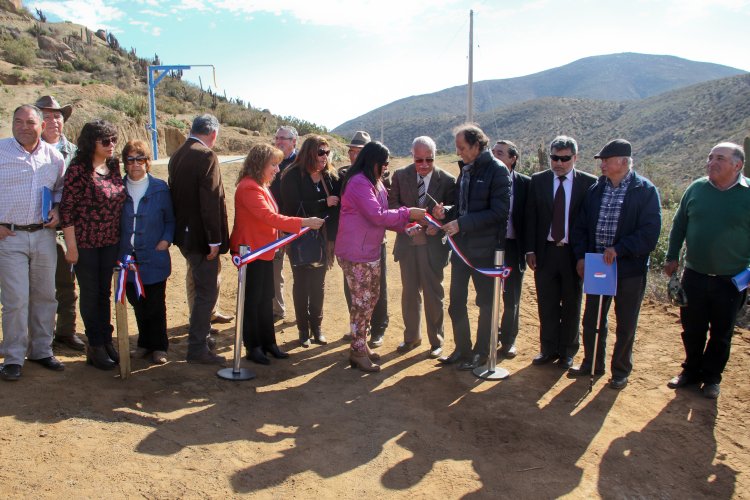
x=328, y=61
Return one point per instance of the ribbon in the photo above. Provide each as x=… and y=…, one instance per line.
x=126, y=264
x=243, y=260
x=502, y=272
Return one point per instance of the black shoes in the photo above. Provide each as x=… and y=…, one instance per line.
x=453, y=358
x=509, y=352
x=475, y=361
x=318, y=337
x=10, y=373
x=112, y=352
x=71, y=341
x=51, y=363
x=405, y=347
x=711, y=391
x=304, y=339
x=584, y=371
x=565, y=362
x=618, y=383
x=276, y=352
x=206, y=358
x=543, y=359
x=98, y=356
x=256, y=356
x=681, y=380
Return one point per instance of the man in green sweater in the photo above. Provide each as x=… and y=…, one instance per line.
x=713, y=219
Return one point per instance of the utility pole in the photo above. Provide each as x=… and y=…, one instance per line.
x=470, y=111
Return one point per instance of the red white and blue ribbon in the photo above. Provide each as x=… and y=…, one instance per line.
x=502, y=272
x=125, y=265
x=243, y=260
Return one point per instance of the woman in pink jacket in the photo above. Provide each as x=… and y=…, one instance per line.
x=257, y=222
x=364, y=218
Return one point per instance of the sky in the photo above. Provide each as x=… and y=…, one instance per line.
x=329, y=61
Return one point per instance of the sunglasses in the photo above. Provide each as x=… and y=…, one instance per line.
x=109, y=140
x=419, y=161
x=561, y=158
x=139, y=159
x=323, y=152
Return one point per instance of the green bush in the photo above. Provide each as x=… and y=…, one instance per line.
x=86, y=65
x=174, y=122
x=21, y=52
x=45, y=77
x=134, y=106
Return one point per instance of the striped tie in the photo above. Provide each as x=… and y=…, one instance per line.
x=421, y=192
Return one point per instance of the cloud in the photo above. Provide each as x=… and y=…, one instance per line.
x=93, y=14
x=153, y=13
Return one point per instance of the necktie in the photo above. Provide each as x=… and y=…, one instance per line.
x=421, y=192
x=558, y=212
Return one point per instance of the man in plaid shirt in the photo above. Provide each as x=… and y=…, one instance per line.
x=620, y=218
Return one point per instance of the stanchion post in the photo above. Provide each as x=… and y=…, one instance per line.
x=123, y=336
x=491, y=371
x=236, y=373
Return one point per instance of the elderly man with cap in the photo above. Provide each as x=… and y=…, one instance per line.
x=28, y=165
x=54, y=117
x=379, y=319
x=620, y=218
x=712, y=220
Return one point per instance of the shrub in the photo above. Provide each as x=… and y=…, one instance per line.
x=174, y=122
x=65, y=66
x=46, y=77
x=21, y=52
x=134, y=106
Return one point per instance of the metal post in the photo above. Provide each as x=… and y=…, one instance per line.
x=152, y=113
x=123, y=335
x=491, y=371
x=237, y=373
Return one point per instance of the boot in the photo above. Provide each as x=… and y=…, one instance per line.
x=112, y=352
x=97, y=356
x=277, y=353
x=362, y=361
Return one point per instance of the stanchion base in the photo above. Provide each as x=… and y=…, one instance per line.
x=230, y=374
x=484, y=373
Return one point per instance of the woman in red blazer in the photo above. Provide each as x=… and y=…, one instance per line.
x=257, y=222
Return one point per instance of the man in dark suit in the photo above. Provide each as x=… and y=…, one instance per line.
x=201, y=229
x=507, y=152
x=477, y=225
x=554, y=200
x=420, y=252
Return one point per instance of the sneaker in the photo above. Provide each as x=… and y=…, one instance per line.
x=376, y=340
x=159, y=357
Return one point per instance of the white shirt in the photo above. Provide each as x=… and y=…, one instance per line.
x=136, y=190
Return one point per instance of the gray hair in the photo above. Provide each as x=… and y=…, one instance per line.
x=738, y=152
x=204, y=124
x=291, y=130
x=563, y=142
x=33, y=108
x=424, y=141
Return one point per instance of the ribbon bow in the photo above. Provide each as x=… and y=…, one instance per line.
x=243, y=260
x=126, y=264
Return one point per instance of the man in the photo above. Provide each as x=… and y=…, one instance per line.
x=712, y=220
x=379, y=320
x=286, y=140
x=477, y=224
x=54, y=118
x=27, y=243
x=507, y=153
x=554, y=200
x=620, y=218
x=201, y=230
x=421, y=253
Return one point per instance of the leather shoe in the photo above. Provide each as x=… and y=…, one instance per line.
x=404, y=347
x=509, y=352
x=543, y=359
x=711, y=391
x=276, y=352
x=51, y=363
x=219, y=317
x=452, y=358
x=318, y=337
x=435, y=352
x=565, y=362
x=681, y=380
x=618, y=382
x=71, y=341
x=475, y=361
x=112, y=352
x=206, y=358
x=98, y=356
x=376, y=340
x=584, y=371
x=11, y=373
x=256, y=356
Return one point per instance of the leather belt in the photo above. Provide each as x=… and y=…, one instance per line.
x=558, y=244
x=18, y=227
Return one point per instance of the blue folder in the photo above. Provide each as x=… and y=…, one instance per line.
x=598, y=277
x=742, y=280
x=46, y=203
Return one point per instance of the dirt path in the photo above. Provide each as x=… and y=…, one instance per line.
x=310, y=427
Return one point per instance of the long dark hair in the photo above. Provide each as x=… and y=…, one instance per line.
x=369, y=162
x=90, y=133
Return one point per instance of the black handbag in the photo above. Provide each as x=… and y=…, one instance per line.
x=309, y=250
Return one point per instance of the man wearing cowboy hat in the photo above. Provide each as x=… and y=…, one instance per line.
x=54, y=117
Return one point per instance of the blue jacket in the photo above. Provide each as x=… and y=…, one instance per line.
x=637, y=230
x=155, y=223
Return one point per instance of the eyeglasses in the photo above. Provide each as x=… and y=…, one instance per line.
x=561, y=158
x=109, y=140
x=280, y=138
x=418, y=161
x=323, y=152
x=139, y=159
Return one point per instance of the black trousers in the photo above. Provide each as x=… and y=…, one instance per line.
x=558, y=291
x=308, y=292
x=713, y=304
x=257, y=328
x=627, y=308
x=511, y=294
x=458, y=311
x=379, y=319
x=94, y=273
x=150, y=315
x=65, y=293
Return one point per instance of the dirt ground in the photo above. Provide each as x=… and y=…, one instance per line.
x=310, y=427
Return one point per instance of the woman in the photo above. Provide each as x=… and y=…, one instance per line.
x=92, y=200
x=364, y=218
x=256, y=223
x=146, y=231
x=310, y=187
